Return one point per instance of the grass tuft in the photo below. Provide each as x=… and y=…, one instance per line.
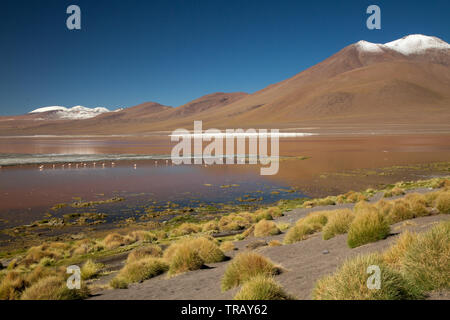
x=368, y=226
x=266, y=228
x=245, y=266
x=338, y=223
x=262, y=287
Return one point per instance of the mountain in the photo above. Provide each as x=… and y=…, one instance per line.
x=400, y=84
x=63, y=113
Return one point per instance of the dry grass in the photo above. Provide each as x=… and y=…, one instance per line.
x=12, y=285
x=144, y=252
x=306, y=226
x=192, y=254
x=233, y=222
x=90, y=269
x=442, y=202
x=245, y=266
x=394, y=255
x=142, y=235
x=415, y=265
x=138, y=271
x=115, y=240
x=186, y=229
x=338, y=223
x=210, y=226
x=274, y=243
x=369, y=225
x=262, y=287
x=426, y=260
x=227, y=246
x=266, y=228
x=53, y=288
x=349, y=282
x=396, y=191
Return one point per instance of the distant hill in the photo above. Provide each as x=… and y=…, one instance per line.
x=405, y=82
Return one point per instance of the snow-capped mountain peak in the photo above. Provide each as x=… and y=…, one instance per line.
x=76, y=112
x=411, y=44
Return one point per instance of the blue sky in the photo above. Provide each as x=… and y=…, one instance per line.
x=171, y=51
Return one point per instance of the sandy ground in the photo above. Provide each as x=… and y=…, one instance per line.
x=304, y=262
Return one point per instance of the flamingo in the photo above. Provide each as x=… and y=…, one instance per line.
x=135, y=165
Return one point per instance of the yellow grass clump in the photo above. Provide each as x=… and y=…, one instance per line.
x=349, y=282
x=90, y=269
x=227, y=246
x=368, y=226
x=396, y=191
x=426, y=261
x=233, y=222
x=115, y=240
x=138, y=271
x=338, y=223
x=442, y=202
x=144, y=252
x=393, y=256
x=274, y=243
x=266, y=228
x=186, y=229
x=192, y=254
x=12, y=285
x=210, y=226
x=262, y=287
x=245, y=266
x=53, y=288
x=306, y=226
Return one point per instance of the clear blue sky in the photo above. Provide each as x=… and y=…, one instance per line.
x=171, y=51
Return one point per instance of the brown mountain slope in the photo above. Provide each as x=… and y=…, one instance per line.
x=364, y=84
